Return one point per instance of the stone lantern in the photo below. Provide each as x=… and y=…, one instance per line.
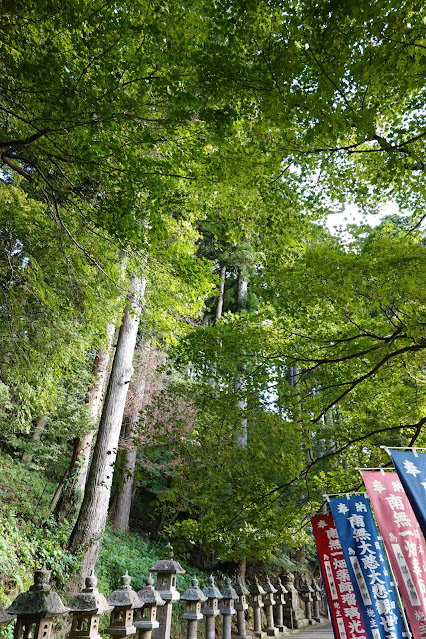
x=294, y=617
x=5, y=618
x=227, y=610
x=36, y=608
x=269, y=603
x=146, y=617
x=306, y=594
x=211, y=607
x=256, y=603
x=194, y=597
x=278, y=608
x=166, y=570
x=86, y=607
x=317, y=597
x=124, y=601
x=241, y=606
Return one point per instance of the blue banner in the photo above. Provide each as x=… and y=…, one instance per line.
x=366, y=567
x=411, y=468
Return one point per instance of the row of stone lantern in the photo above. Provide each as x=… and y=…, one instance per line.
x=136, y=612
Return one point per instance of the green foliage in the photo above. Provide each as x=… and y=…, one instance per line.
x=26, y=540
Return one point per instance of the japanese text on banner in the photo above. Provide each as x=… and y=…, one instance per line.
x=345, y=614
x=367, y=567
x=403, y=541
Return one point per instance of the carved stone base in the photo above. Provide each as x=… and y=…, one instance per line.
x=260, y=634
x=272, y=632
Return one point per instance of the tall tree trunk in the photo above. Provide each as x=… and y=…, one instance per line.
x=35, y=437
x=219, y=305
x=239, y=382
x=89, y=528
x=71, y=491
x=242, y=287
x=124, y=498
x=125, y=493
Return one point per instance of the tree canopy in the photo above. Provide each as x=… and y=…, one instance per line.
x=209, y=141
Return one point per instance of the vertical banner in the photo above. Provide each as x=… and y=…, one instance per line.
x=345, y=614
x=411, y=468
x=403, y=541
x=367, y=567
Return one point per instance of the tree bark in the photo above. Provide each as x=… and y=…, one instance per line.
x=242, y=287
x=239, y=384
x=219, y=305
x=35, y=437
x=123, y=505
x=89, y=528
x=68, y=494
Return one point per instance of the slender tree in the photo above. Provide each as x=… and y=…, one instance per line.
x=86, y=536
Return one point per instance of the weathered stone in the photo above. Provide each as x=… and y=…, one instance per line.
x=36, y=608
x=194, y=597
x=166, y=570
x=5, y=618
x=306, y=594
x=316, y=597
x=294, y=617
x=256, y=602
x=146, y=617
x=241, y=606
x=269, y=602
x=211, y=609
x=124, y=601
x=227, y=610
x=86, y=608
x=279, y=605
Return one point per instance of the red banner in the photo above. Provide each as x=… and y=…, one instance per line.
x=403, y=541
x=345, y=614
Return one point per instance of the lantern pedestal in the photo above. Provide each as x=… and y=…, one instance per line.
x=241, y=606
x=194, y=597
x=211, y=607
x=256, y=603
x=278, y=608
x=166, y=570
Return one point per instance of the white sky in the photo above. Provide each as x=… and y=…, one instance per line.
x=352, y=215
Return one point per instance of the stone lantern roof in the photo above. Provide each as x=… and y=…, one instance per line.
x=124, y=596
x=39, y=600
x=211, y=591
x=89, y=599
x=241, y=589
x=280, y=588
x=194, y=593
x=5, y=618
x=256, y=588
x=169, y=564
x=148, y=595
x=306, y=587
x=228, y=591
x=268, y=587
